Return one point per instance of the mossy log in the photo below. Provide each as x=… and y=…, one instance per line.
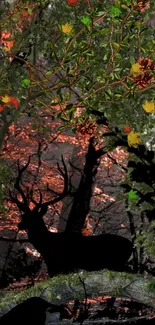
x=64, y=288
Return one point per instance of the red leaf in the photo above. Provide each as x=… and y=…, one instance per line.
x=72, y=2
x=127, y=129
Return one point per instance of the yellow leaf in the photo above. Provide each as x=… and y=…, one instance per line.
x=149, y=107
x=67, y=28
x=136, y=69
x=133, y=139
x=6, y=48
x=30, y=11
x=5, y=99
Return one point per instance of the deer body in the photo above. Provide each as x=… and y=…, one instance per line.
x=63, y=252
x=30, y=312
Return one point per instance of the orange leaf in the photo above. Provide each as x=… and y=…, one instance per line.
x=86, y=231
x=7, y=100
x=5, y=40
x=15, y=102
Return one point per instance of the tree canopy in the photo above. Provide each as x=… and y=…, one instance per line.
x=96, y=56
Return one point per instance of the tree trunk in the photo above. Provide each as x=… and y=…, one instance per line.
x=74, y=169
x=81, y=204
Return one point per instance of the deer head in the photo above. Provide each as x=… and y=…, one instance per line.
x=32, y=219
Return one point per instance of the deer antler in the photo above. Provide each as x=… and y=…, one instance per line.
x=21, y=205
x=24, y=206
x=66, y=188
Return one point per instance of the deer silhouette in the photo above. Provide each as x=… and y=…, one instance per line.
x=65, y=252
x=33, y=311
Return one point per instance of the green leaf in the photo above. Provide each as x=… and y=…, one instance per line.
x=59, y=115
x=25, y=83
x=128, y=2
x=61, y=127
x=68, y=107
x=29, y=11
x=105, y=57
x=60, y=94
x=54, y=104
x=117, y=3
x=86, y=20
x=144, y=50
x=118, y=95
x=132, y=195
x=124, y=7
x=73, y=129
x=115, y=12
x=15, y=20
x=48, y=73
x=132, y=60
x=34, y=126
x=71, y=114
x=115, y=45
x=64, y=81
x=64, y=119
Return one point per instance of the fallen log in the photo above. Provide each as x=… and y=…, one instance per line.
x=64, y=288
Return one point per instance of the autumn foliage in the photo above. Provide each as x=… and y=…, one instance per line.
x=8, y=100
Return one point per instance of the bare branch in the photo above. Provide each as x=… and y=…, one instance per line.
x=22, y=205
x=116, y=163
x=66, y=188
